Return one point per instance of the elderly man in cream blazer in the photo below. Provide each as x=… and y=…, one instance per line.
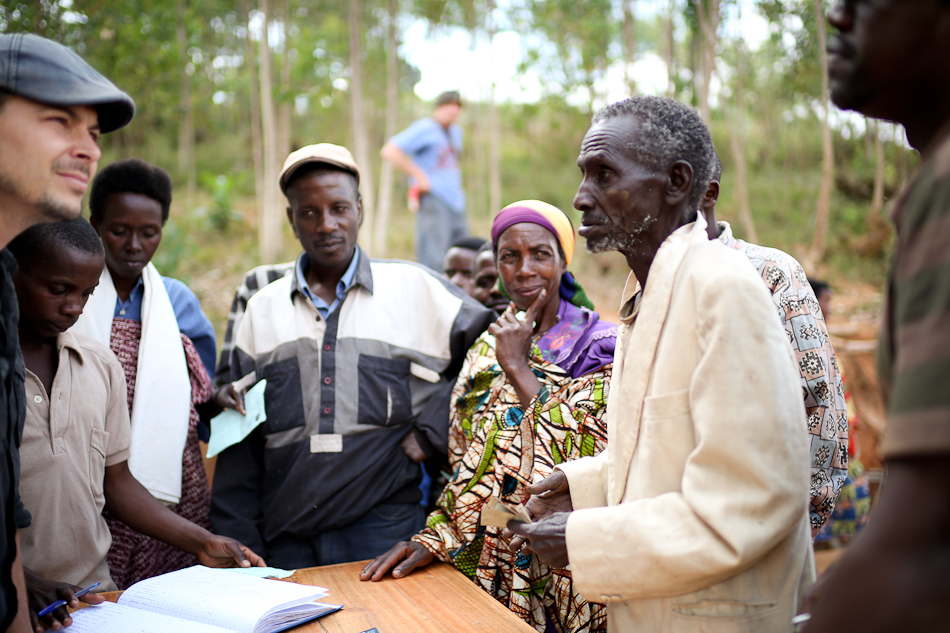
x=695, y=517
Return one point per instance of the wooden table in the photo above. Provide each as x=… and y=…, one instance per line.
x=434, y=599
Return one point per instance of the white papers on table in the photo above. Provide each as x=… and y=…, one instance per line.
x=109, y=617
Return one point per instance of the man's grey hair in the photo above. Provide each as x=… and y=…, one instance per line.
x=669, y=132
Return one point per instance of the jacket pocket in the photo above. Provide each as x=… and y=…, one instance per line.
x=669, y=405
x=283, y=397
x=99, y=446
x=715, y=616
x=384, y=395
x=724, y=609
x=667, y=435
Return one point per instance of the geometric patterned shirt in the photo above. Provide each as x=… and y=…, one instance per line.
x=822, y=388
x=253, y=281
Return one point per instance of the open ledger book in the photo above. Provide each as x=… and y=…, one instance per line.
x=203, y=600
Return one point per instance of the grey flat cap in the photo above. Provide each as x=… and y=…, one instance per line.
x=44, y=71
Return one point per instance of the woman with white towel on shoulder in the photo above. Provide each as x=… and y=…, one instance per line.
x=166, y=345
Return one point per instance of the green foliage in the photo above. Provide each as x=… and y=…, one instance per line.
x=153, y=48
x=580, y=33
x=40, y=17
x=796, y=37
x=177, y=244
x=469, y=14
x=220, y=214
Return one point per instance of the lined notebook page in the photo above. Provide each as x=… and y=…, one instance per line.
x=216, y=596
x=109, y=617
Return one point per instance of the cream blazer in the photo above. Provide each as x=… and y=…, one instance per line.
x=695, y=517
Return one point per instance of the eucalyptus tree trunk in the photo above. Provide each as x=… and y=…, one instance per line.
x=903, y=162
x=707, y=15
x=186, y=125
x=877, y=197
x=257, y=143
x=284, y=109
x=737, y=144
x=387, y=174
x=670, y=52
x=269, y=215
x=629, y=46
x=817, y=251
x=476, y=134
x=494, y=130
x=494, y=154
x=360, y=134
x=874, y=242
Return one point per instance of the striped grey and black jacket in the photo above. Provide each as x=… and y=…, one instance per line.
x=341, y=393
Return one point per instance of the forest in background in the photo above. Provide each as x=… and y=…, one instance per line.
x=226, y=89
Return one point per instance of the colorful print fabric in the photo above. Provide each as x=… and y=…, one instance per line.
x=496, y=448
x=134, y=556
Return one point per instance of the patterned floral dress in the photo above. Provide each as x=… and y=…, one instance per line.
x=496, y=448
x=134, y=556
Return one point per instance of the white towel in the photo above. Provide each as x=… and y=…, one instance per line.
x=162, y=403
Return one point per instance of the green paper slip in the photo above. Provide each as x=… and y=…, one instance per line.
x=230, y=427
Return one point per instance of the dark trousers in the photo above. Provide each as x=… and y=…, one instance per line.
x=367, y=537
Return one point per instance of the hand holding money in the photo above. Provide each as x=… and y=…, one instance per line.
x=497, y=513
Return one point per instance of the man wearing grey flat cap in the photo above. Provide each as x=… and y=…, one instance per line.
x=427, y=151
x=53, y=107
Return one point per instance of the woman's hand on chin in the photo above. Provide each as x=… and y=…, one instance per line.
x=513, y=337
x=512, y=345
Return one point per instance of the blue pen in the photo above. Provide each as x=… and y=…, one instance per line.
x=62, y=603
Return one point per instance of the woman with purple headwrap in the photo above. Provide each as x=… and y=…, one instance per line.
x=531, y=394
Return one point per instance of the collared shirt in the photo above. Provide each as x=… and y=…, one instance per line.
x=341, y=394
x=303, y=262
x=72, y=434
x=823, y=390
x=914, y=348
x=435, y=150
x=192, y=321
x=12, y=373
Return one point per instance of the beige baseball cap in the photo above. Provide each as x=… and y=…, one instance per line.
x=328, y=153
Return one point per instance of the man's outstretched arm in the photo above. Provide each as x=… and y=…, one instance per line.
x=401, y=161
x=132, y=504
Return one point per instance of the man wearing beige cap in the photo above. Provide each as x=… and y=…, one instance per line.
x=53, y=107
x=360, y=358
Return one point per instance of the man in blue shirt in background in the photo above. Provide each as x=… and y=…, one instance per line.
x=428, y=151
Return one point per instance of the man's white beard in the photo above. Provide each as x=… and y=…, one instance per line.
x=617, y=240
